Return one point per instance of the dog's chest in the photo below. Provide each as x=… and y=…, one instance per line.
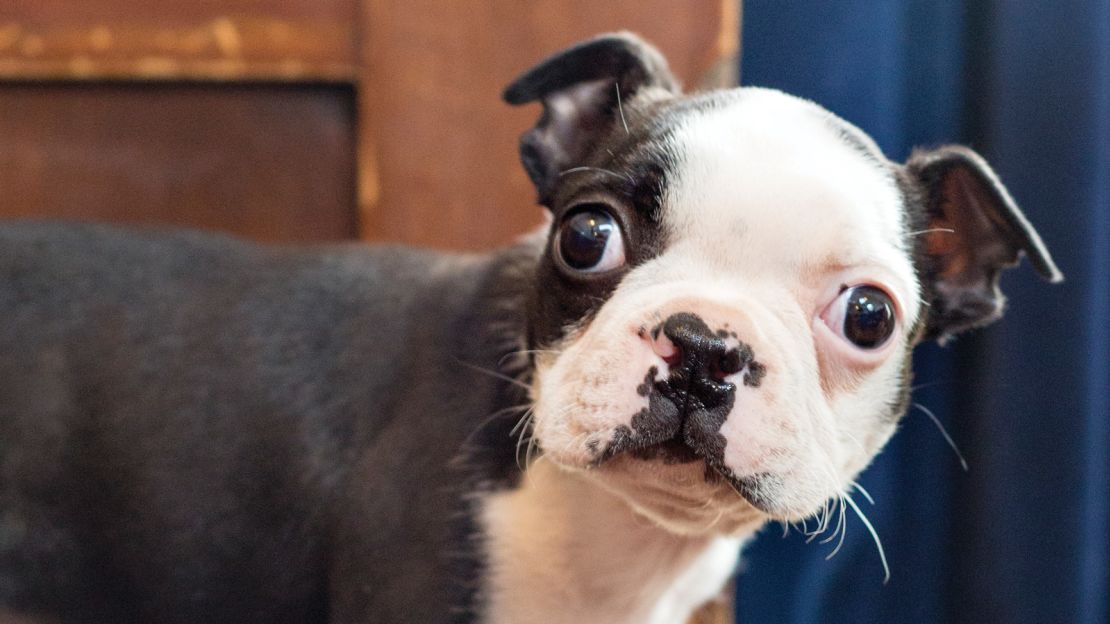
x=559, y=549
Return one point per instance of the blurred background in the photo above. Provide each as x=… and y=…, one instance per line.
x=308, y=120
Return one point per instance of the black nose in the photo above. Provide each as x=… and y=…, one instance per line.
x=703, y=359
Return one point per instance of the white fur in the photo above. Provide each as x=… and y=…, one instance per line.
x=770, y=210
x=563, y=550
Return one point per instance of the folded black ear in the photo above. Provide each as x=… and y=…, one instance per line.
x=974, y=230
x=581, y=89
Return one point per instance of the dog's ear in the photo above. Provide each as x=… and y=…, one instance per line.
x=974, y=230
x=582, y=89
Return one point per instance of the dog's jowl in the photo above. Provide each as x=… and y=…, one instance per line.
x=712, y=333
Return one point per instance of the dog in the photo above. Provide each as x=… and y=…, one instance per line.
x=712, y=332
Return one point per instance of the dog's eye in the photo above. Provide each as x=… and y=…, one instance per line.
x=590, y=240
x=864, y=315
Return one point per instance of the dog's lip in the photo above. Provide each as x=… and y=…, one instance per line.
x=675, y=451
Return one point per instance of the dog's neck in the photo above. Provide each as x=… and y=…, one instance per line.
x=561, y=549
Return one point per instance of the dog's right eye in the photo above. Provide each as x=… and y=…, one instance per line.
x=590, y=240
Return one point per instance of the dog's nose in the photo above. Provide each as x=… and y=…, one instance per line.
x=702, y=359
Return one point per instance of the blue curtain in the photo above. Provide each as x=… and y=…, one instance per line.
x=1024, y=534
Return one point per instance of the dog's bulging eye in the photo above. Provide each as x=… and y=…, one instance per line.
x=589, y=240
x=864, y=316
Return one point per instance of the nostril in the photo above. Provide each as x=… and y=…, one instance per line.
x=675, y=358
x=667, y=349
x=728, y=363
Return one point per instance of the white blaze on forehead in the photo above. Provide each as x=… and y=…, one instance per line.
x=766, y=181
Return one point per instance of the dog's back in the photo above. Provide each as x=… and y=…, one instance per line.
x=179, y=414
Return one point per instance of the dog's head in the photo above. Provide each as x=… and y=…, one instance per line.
x=733, y=284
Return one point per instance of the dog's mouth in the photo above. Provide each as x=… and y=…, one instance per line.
x=687, y=445
x=673, y=450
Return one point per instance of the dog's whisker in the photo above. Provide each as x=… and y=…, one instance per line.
x=836, y=531
x=841, y=527
x=821, y=516
x=523, y=424
x=513, y=354
x=620, y=107
x=495, y=374
x=597, y=169
x=944, y=432
x=874, y=535
x=931, y=230
x=863, y=491
x=930, y=384
x=465, y=446
x=516, y=454
x=834, y=482
x=526, y=416
x=826, y=513
x=857, y=442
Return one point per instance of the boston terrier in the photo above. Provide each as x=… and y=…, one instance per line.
x=712, y=332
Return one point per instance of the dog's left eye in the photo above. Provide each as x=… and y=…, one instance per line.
x=863, y=315
x=589, y=240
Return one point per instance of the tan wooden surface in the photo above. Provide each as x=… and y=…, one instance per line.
x=267, y=162
x=223, y=40
x=438, y=149
x=415, y=84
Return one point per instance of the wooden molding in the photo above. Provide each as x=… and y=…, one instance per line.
x=198, y=40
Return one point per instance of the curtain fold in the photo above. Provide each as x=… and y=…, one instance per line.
x=1024, y=534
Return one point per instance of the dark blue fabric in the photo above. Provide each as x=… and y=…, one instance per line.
x=1024, y=536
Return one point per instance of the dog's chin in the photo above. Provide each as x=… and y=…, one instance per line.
x=673, y=488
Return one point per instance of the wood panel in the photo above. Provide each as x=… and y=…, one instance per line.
x=270, y=162
x=273, y=40
x=438, y=162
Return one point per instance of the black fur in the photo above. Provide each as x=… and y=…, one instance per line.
x=583, y=90
x=973, y=230
x=197, y=429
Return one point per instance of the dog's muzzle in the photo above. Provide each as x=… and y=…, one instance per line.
x=687, y=407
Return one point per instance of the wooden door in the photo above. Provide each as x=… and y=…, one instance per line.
x=296, y=120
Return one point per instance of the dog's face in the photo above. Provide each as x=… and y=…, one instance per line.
x=733, y=284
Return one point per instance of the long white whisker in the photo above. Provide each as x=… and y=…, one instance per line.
x=840, y=531
x=944, y=432
x=520, y=424
x=495, y=374
x=863, y=491
x=598, y=169
x=830, y=472
x=920, y=232
x=523, y=424
x=492, y=417
x=513, y=354
x=822, y=521
x=874, y=536
x=620, y=108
